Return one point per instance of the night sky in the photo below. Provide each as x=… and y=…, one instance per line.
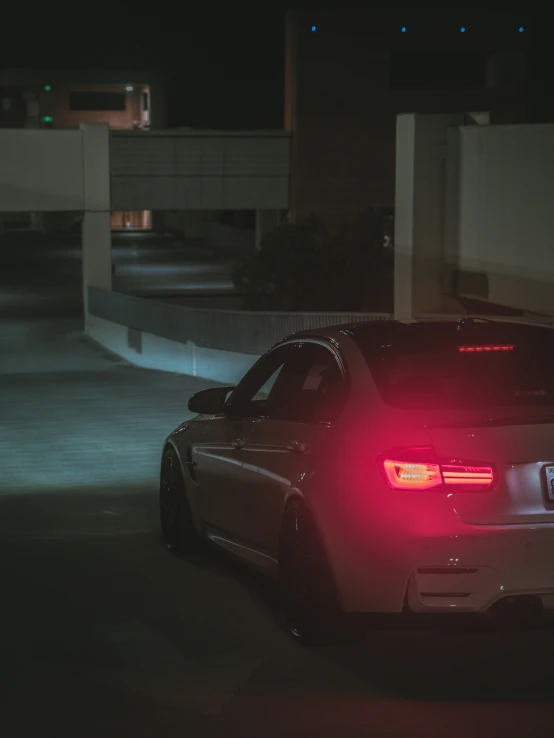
x=223, y=68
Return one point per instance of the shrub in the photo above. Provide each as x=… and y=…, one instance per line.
x=306, y=267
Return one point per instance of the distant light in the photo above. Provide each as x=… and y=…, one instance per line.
x=403, y=29
x=463, y=29
x=129, y=88
x=314, y=29
x=47, y=88
x=521, y=29
x=48, y=119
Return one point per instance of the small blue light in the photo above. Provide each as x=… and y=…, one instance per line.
x=314, y=29
x=463, y=29
x=403, y=29
x=521, y=29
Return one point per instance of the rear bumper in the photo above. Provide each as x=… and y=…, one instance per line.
x=468, y=593
x=466, y=572
x=482, y=566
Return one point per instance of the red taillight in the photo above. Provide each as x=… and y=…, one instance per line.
x=410, y=475
x=469, y=477
x=418, y=475
x=486, y=348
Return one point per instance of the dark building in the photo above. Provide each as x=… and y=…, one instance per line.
x=349, y=73
x=61, y=99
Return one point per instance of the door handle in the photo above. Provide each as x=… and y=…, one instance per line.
x=296, y=447
x=239, y=443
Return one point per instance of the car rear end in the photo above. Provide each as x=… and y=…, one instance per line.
x=463, y=477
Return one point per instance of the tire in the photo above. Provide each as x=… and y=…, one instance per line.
x=308, y=594
x=178, y=530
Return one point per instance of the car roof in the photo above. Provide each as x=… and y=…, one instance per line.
x=449, y=329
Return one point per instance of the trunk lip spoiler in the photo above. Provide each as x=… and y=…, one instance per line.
x=495, y=421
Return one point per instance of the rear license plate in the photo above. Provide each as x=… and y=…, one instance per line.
x=549, y=479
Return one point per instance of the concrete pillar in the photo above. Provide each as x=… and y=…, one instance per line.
x=32, y=120
x=266, y=220
x=420, y=211
x=96, y=228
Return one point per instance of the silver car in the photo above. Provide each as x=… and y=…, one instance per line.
x=379, y=467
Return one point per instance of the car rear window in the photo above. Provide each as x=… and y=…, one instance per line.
x=445, y=368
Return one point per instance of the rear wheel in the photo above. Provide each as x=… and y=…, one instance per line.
x=308, y=593
x=178, y=530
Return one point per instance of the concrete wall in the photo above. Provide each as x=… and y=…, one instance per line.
x=421, y=175
x=96, y=225
x=504, y=252
x=218, y=170
x=41, y=170
x=220, y=345
x=474, y=215
x=150, y=351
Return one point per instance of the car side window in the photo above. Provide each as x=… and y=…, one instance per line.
x=299, y=382
x=262, y=384
x=263, y=393
x=310, y=389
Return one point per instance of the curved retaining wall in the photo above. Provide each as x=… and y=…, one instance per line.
x=220, y=345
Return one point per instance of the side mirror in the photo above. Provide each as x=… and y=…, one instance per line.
x=209, y=401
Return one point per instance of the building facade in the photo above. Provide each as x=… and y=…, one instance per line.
x=59, y=98
x=64, y=99
x=349, y=73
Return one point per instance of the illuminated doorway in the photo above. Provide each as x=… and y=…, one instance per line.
x=131, y=220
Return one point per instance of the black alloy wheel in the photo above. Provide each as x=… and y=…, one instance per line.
x=308, y=593
x=178, y=530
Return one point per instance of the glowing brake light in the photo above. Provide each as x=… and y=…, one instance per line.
x=485, y=348
x=407, y=475
x=477, y=477
x=419, y=475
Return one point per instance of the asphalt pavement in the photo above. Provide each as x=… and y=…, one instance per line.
x=104, y=634
x=149, y=265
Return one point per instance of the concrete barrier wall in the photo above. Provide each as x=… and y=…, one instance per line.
x=200, y=170
x=42, y=170
x=220, y=345
x=155, y=352
x=505, y=224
